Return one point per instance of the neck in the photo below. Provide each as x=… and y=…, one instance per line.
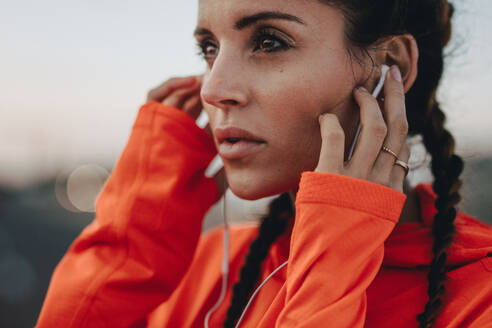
x=411, y=208
x=409, y=213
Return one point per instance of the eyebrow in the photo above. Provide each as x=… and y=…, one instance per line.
x=252, y=19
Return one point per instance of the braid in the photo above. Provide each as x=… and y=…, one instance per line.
x=446, y=166
x=272, y=226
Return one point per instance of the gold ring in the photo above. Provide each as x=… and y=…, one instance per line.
x=386, y=149
x=398, y=161
x=404, y=165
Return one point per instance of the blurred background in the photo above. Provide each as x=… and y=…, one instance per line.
x=72, y=77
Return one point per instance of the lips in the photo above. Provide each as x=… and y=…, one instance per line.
x=236, y=143
x=234, y=134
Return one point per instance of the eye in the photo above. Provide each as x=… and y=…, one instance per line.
x=265, y=40
x=268, y=41
x=207, y=49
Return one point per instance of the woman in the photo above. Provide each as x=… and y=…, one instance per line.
x=359, y=248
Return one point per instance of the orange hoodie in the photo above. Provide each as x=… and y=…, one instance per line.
x=143, y=262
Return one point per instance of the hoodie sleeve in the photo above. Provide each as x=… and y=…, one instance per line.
x=337, y=247
x=147, y=224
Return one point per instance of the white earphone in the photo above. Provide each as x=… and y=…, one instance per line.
x=375, y=94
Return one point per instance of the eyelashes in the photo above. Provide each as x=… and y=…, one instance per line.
x=271, y=37
x=265, y=40
x=203, y=48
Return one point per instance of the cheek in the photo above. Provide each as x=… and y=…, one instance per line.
x=306, y=83
x=294, y=135
x=212, y=114
x=294, y=95
x=211, y=117
x=311, y=84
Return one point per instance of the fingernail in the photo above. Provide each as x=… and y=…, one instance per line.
x=361, y=88
x=395, y=73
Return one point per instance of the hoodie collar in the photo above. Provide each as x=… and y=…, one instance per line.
x=410, y=244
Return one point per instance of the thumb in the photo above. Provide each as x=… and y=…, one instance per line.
x=332, y=144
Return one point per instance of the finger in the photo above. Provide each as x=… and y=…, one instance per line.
x=398, y=173
x=179, y=97
x=163, y=90
x=372, y=134
x=193, y=106
x=332, y=144
x=396, y=120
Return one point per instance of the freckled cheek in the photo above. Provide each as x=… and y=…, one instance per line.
x=294, y=130
x=286, y=94
x=309, y=95
x=292, y=111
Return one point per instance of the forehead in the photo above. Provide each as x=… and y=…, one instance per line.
x=229, y=5
x=225, y=13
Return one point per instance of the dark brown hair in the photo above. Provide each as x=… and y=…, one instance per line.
x=367, y=22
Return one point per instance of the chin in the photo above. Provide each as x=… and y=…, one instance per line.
x=251, y=189
x=248, y=193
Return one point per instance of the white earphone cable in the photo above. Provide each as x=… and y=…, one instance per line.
x=256, y=292
x=212, y=169
x=225, y=262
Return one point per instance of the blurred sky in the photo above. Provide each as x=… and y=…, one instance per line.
x=74, y=73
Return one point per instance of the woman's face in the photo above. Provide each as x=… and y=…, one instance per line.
x=273, y=77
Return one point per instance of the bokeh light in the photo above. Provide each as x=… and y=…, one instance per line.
x=83, y=186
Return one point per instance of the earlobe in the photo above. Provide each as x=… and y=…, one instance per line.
x=402, y=50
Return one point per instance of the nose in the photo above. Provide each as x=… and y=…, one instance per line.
x=224, y=85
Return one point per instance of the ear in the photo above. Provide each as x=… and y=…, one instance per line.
x=401, y=50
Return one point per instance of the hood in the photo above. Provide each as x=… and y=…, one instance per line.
x=410, y=244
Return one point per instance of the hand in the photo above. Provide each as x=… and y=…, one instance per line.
x=179, y=92
x=387, y=127
x=184, y=93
